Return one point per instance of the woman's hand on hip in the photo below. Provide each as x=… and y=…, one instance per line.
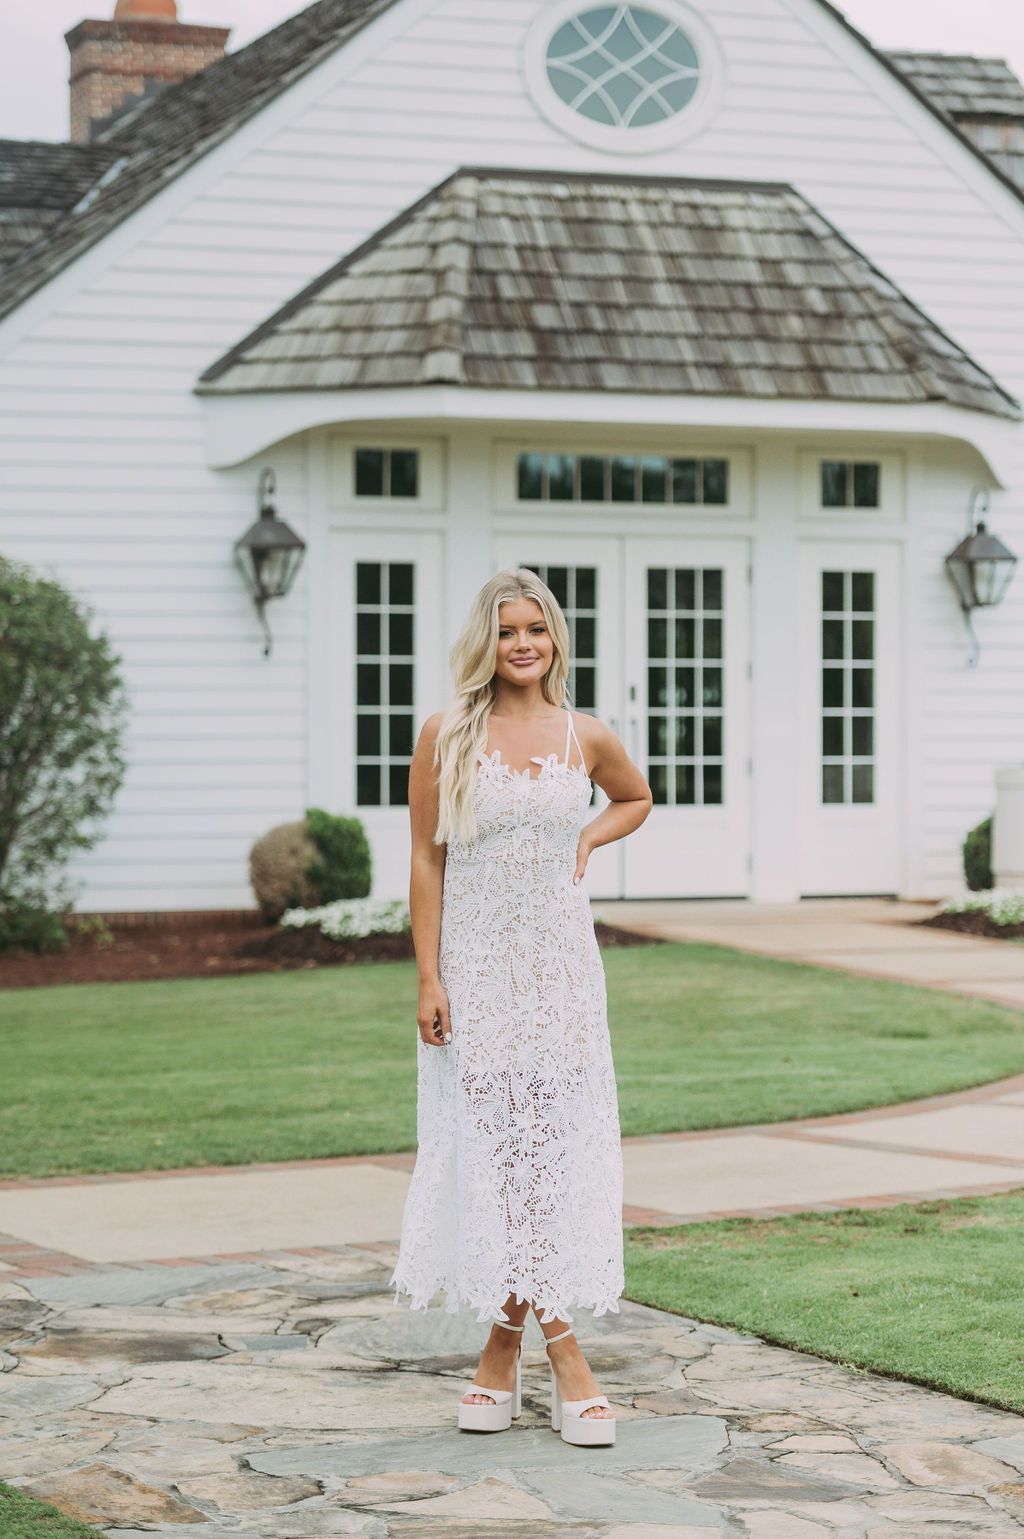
x=433, y=1016
x=582, y=856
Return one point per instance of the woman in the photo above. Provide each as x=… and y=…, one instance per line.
x=517, y=1193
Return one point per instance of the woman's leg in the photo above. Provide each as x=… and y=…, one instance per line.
x=575, y=1380
x=498, y=1360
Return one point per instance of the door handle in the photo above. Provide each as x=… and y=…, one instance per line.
x=634, y=737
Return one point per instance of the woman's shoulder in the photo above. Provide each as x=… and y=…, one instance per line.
x=430, y=729
x=591, y=732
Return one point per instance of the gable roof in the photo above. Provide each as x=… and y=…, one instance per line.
x=520, y=280
x=962, y=85
x=167, y=133
x=38, y=184
x=982, y=96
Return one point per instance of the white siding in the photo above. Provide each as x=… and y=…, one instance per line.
x=103, y=473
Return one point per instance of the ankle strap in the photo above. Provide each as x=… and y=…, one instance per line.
x=549, y=1339
x=502, y=1326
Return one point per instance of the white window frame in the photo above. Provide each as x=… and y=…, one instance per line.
x=506, y=480
x=626, y=141
x=892, y=486
x=342, y=470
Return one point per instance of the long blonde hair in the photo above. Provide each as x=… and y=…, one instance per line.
x=463, y=731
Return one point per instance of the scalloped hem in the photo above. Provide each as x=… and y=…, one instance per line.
x=490, y=1310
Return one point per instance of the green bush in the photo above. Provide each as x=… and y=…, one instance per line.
x=63, y=712
x=977, y=852
x=342, y=866
x=308, y=864
x=25, y=928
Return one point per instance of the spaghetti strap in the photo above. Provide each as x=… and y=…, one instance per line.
x=570, y=736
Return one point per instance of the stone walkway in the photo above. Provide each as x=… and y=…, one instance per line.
x=215, y=1352
x=284, y=1397
x=875, y=937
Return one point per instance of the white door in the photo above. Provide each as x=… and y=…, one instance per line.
x=385, y=677
x=660, y=637
x=850, y=749
x=687, y=658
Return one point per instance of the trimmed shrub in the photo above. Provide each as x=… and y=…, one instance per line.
x=277, y=870
x=343, y=867
x=63, y=715
x=977, y=854
x=305, y=865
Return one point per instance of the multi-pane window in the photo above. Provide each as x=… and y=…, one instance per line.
x=685, y=685
x=651, y=478
x=385, y=681
x=856, y=485
x=848, y=687
x=575, y=588
x=623, y=65
x=387, y=473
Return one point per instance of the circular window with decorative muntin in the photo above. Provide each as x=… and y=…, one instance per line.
x=629, y=76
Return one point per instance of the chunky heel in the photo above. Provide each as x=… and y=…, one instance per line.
x=567, y=1416
x=507, y=1403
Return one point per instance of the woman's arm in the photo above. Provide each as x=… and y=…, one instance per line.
x=426, y=883
x=629, y=795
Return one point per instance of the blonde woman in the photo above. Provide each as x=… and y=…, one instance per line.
x=516, y=1198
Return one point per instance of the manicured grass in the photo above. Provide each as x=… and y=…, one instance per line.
x=23, y=1518
x=312, y=1063
x=928, y=1292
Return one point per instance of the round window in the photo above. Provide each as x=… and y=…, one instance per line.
x=623, y=66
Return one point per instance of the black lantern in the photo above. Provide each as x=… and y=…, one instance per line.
x=269, y=555
x=980, y=568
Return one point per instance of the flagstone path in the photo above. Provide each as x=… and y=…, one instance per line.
x=205, y=1353
x=284, y=1397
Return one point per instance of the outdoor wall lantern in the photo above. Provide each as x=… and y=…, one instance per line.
x=980, y=568
x=269, y=555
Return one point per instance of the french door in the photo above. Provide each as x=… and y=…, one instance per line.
x=850, y=742
x=385, y=676
x=662, y=652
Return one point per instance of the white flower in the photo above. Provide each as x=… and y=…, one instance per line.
x=1003, y=905
x=351, y=918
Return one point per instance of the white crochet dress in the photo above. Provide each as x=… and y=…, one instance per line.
x=518, y=1180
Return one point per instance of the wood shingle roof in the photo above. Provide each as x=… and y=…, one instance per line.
x=519, y=280
x=39, y=183
x=164, y=134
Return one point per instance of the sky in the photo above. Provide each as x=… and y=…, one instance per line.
x=33, y=55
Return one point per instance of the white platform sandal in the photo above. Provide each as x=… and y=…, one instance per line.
x=508, y=1403
x=567, y=1415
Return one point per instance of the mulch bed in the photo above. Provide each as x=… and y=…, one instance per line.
x=216, y=949
x=975, y=924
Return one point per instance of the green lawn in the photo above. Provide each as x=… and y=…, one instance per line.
x=322, y=1062
x=23, y=1518
x=928, y=1292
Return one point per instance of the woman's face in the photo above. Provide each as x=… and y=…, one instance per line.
x=525, y=648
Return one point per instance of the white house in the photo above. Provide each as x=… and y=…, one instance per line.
x=705, y=308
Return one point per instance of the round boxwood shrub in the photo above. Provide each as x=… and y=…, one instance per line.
x=977, y=853
x=308, y=864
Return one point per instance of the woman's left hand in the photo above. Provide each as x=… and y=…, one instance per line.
x=582, y=856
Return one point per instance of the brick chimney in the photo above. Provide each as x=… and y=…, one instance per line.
x=143, y=49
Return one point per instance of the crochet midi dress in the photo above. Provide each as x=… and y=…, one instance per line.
x=518, y=1181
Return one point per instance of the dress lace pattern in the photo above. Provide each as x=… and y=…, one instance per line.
x=518, y=1180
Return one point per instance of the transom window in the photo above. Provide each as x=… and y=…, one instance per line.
x=685, y=684
x=850, y=485
x=623, y=66
x=387, y=473
x=847, y=687
x=648, y=478
x=385, y=681
x=575, y=588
